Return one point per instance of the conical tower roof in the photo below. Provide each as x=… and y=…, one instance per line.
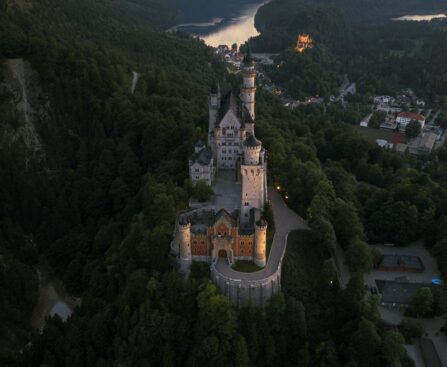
x=251, y=141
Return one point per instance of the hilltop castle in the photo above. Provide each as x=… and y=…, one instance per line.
x=235, y=164
x=303, y=42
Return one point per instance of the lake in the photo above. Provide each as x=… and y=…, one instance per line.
x=421, y=18
x=237, y=28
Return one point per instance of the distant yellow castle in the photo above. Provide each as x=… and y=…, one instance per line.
x=303, y=41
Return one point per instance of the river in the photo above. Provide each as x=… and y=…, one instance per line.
x=228, y=30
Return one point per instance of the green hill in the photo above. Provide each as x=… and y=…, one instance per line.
x=104, y=151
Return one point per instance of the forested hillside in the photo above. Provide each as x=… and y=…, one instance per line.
x=360, y=12
x=102, y=146
x=359, y=39
x=99, y=203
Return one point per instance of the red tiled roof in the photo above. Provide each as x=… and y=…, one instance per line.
x=412, y=115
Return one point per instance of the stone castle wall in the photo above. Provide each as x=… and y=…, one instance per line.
x=240, y=291
x=259, y=289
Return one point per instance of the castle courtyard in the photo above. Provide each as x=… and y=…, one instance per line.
x=227, y=192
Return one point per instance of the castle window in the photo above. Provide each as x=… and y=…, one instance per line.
x=197, y=170
x=197, y=177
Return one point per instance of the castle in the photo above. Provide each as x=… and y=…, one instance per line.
x=303, y=42
x=235, y=164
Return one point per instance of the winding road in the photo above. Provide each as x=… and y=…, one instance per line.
x=286, y=220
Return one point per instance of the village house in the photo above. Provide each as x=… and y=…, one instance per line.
x=404, y=118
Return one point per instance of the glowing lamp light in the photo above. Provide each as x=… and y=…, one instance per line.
x=286, y=196
x=278, y=188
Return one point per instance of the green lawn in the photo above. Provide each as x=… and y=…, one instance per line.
x=374, y=134
x=246, y=266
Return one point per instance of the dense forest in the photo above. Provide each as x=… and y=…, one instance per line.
x=382, y=57
x=356, y=12
x=100, y=199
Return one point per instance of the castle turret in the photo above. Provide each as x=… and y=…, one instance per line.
x=252, y=150
x=248, y=86
x=260, y=243
x=184, y=229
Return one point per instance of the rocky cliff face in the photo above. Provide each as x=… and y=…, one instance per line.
x=22, y=107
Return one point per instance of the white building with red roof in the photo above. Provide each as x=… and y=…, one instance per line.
x=404, y=118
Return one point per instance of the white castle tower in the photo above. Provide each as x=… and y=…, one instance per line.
x=253, y=175
x=253, y=164
x=248, y=90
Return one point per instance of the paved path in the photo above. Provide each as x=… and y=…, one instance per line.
x=135, y=77
x=286, y=220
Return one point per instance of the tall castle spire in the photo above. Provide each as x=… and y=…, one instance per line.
x=248, y=87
